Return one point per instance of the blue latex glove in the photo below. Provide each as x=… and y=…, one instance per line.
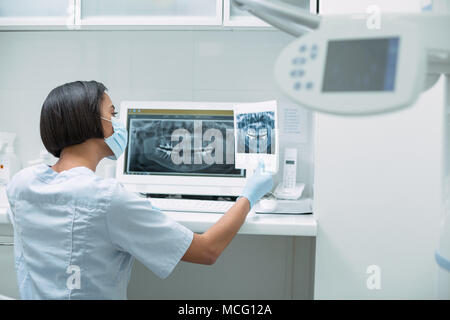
x=257, y=185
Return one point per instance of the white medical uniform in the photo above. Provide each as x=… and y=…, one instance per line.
x=76, y=235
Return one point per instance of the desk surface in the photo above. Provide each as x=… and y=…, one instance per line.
x=262, y=224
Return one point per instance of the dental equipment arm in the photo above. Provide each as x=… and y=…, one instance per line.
x=288, y=27
x=282, y=12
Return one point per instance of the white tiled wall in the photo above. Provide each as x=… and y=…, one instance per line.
x=167, y=65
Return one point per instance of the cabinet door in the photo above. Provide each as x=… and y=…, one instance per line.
x=238, y=18
x=36, y=12
x=149, y=12
x=361, y=6
x=8, y=284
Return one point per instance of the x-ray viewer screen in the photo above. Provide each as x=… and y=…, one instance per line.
x=256, y=132
x=181, y=142
x=361, y=65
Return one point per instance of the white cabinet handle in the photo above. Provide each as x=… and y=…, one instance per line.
x=6, y=244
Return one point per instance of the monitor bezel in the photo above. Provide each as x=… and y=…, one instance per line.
x=170, y=184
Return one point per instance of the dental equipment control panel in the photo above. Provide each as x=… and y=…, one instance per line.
x=353, y=69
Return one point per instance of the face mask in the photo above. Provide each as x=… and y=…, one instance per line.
x=118, y=141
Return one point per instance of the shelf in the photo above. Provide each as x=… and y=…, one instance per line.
x=144, y=21
x=87, y=28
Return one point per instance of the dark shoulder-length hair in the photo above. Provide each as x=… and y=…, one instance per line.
x=70, y=115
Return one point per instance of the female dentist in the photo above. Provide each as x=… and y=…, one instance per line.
x=76, y=235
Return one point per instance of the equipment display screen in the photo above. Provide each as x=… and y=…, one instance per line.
x=361, y=65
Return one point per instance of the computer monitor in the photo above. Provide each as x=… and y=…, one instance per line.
x=179, y=148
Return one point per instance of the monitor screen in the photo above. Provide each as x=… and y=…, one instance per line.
x=361, y=65
x=182, y=142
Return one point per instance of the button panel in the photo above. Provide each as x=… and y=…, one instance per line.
x=297, y=73
x=307, y=54
x=299, y=61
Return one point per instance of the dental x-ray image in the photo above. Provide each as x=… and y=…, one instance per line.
x=256, y=132
x=181, y=144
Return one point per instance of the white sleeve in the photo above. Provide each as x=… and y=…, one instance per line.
x=153, y=238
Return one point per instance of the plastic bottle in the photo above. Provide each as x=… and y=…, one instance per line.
x=9, y=162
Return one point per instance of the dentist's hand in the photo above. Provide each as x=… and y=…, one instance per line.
x=257, y=185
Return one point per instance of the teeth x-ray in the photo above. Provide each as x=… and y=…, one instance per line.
x=256, y=132
x=181, y=144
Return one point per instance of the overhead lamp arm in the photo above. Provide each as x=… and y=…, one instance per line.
x=283, y=16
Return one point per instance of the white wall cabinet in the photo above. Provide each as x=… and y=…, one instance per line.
x=36, y=12
x=8, y=282
x=138, y=14
x=234, y=17
x=8, y=287
x=144, y=12
x=361, y=6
